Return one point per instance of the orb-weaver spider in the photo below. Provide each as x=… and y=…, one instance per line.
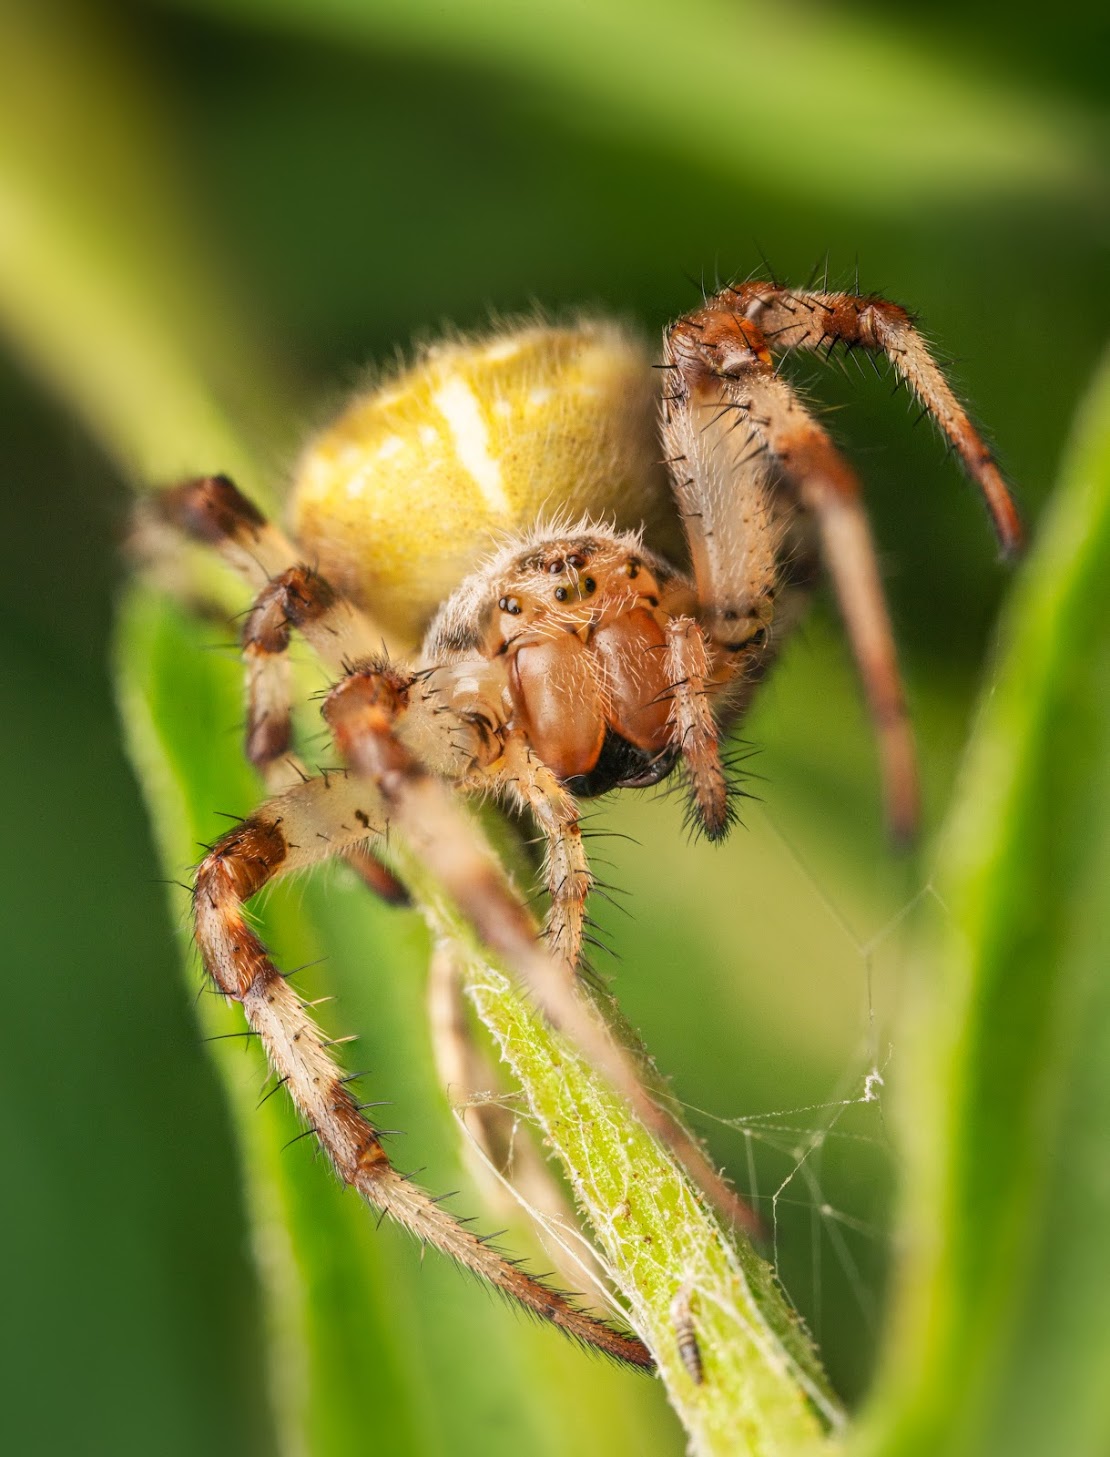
x=569, y=660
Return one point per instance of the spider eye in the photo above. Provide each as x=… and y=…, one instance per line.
x=510, y=605
x=576, y=561
x=560, y=594
x=633, y=567
x=557, y=566
x=590, y=585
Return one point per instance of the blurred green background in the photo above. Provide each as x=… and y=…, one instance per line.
x=354, y=175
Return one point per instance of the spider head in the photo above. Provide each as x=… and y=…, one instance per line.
x=562, y=586
x=580, y=622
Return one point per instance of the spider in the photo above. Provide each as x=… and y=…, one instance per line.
x=483, y=558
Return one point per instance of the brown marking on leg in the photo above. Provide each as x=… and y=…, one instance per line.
x=815, y=320
x=693, y=727
x=213, y=511
x=717, y=368
x=363, y=711
x=376, y=876
x=236, y=868
x=566, y=868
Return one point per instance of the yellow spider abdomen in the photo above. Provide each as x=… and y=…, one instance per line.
x=415, y=482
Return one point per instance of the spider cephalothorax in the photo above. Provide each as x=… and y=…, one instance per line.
x=570, y=660
x=574, y=627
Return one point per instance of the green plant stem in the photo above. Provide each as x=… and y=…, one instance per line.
x=764, y=1391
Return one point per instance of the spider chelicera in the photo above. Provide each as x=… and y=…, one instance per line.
x=497, y=517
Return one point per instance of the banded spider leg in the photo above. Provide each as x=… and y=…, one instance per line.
x=754, y=471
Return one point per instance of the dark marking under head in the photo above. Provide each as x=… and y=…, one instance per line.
x=457, y=637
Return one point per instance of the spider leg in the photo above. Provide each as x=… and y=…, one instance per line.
x=567, y=871
x=363, y=712
x=500, y=1150
x=338, y=633
x=213, y=511
x=294, y=830
x=690, y=672
x=333, y=627
x=804, y=319
x=728, y=482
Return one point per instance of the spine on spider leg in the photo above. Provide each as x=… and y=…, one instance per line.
x=805, y=320
x=693, y=728
x=362, y=711
x=894, y=332
x=566, y=868
x=237, y=867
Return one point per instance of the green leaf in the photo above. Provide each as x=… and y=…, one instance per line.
x=108, y=285
x=1002, y=1327
x=833, y=106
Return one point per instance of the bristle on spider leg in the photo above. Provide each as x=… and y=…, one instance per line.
x=238, y=866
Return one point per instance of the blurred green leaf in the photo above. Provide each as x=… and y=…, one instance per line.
x=1001, y=1336
x=108, y=285
x=834, y=106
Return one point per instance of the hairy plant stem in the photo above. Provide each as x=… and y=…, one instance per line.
x=764, y=1391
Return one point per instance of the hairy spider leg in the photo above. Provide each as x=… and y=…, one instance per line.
x=308, y=823
x=803, y=319
x=689, y=672
x=728, y=483
x=525, y=778
x=363, y=711
x=212, y=510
